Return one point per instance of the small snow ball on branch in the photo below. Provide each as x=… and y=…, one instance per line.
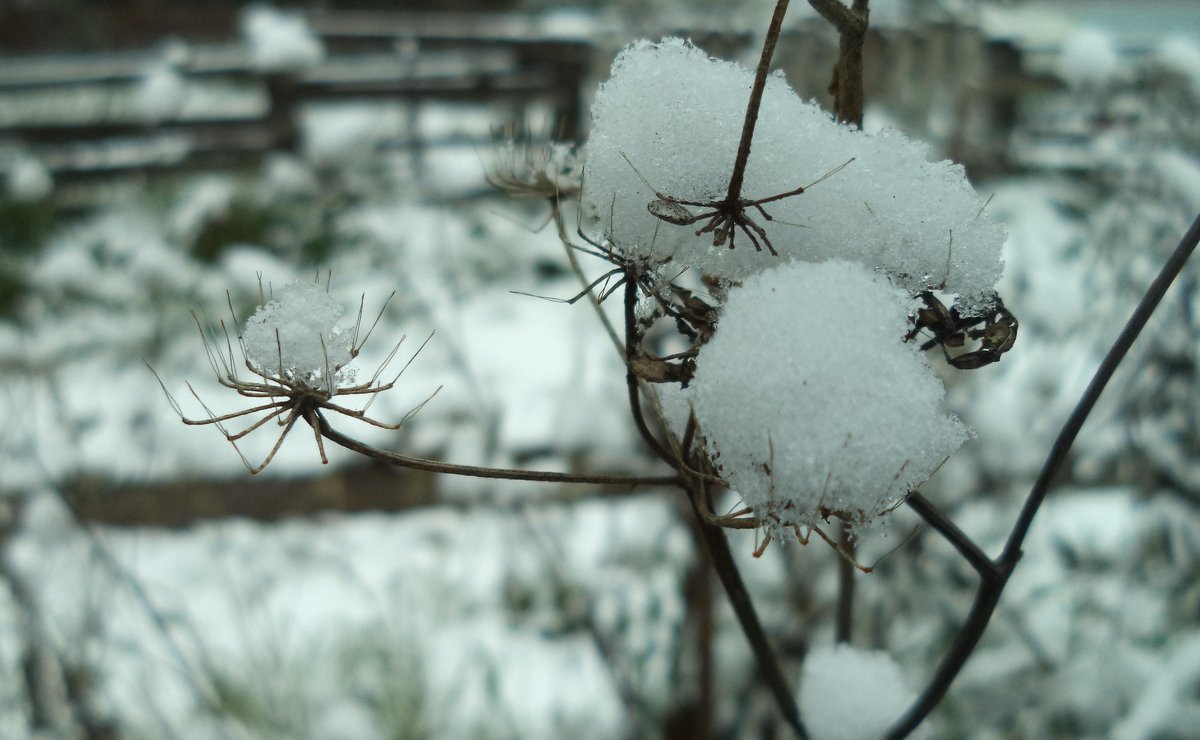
x=296, y=335
x=812, y=406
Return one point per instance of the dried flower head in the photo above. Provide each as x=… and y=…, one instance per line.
x=297, y=357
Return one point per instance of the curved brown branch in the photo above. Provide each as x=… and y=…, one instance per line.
x=472, y=471
x=992, y=582
x=955, y=536
x=739, y=598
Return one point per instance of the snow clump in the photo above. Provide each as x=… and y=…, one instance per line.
x=812, y=405
x=28, y=179
x=675, y=114
x=851, y=694
x=1087, y=58
x=280, y=41
x=296, y=336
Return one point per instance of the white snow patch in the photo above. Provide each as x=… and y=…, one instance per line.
x=847, y=693
x=28, y=179
x=675, y=114
x=1180, y=54
x=279, y=40
x=296, y=335
x=808, y=397
x=1088, y=57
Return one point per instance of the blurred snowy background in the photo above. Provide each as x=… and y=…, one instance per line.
x=150, y=588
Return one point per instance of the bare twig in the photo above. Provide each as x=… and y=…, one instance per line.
x=845, y=604
x=472, y=471
x=955, y=536
x=739, y=598
x=993, y=580
x=734, y=191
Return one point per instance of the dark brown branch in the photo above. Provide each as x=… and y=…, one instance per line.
x=955, y=536
x=992, y=584
x=1058, y=453
x=846, y=87
x=632, y=343
x=734, y=191
x=845, y=604
x=739, y=598
x=472, y=471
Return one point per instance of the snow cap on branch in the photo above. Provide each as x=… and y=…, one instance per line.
x=811, y=404
x=298, y=329
x=677, y=114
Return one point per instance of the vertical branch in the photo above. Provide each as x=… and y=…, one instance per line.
x=734, y=191
x=846, y=87
x=845, y=605
x=739, y=598
x=713, y=539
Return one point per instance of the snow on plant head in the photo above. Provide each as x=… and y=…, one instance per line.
x=296, y=336
x=280, y=41
x=851, y=694
x=677, y=115
x=811, y=404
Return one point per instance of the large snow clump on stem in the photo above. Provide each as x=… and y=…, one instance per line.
x=296, y=335
x=811, y=404
x=676, y=114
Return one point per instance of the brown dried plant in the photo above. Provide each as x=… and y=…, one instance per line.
x=290, y=396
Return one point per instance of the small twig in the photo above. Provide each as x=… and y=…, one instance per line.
x=846, y=87
x=955, y=536
x=632, y=342
x=577, y=269
x=846, y=574
x=992, y=583
x=734, y=192
x=723, y=563
x=472, y=471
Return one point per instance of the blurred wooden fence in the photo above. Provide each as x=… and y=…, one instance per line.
x=78, y=114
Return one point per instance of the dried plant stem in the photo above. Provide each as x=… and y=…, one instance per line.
x=734, y=192
x=993, y=579
x=846, y=574
x=472, y=471
x=713, y=538
x=846, y=87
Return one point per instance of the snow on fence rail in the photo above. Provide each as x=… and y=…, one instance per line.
x=215, y=106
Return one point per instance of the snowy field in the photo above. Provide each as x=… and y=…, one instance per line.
x=505, y=612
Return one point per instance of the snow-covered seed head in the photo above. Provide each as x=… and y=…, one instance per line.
x=811, y=404
x=295, y=336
